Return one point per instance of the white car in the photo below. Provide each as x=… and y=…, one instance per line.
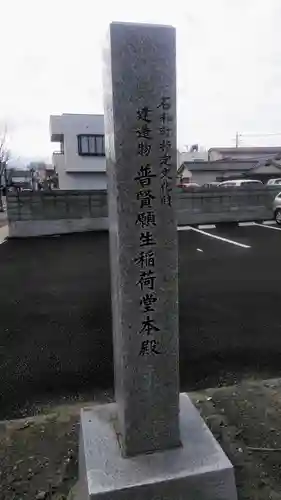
x=240, y=182
x=274, y=182
x=189, y=185
x=277, y=208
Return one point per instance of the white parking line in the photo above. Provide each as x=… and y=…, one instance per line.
x=3, y=234
x=246, y=224
x=207, y=226
x=184, y=228
x=269, y=222
x=268, y=227
x=226, y=240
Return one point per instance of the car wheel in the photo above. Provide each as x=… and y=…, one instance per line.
x=278, y=216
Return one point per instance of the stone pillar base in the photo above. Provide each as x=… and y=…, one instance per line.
x=199, y=470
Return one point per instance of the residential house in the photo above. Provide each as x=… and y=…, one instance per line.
x=46, y=175
x=205, y=172
x=233, y=163
x=19, y=178
x=192, y=153
x=217, y=171
x=243, y=153
x=80, y=158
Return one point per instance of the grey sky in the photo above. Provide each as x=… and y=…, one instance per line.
x=229, y=65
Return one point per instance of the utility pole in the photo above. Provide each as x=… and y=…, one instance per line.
x=237, y=140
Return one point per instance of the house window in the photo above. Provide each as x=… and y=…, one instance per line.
x=91, y=145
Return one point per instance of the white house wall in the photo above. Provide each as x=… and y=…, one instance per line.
x=83, y=181
x=75, y=125
x=204, y=177
x=200, y=177
x=75, y=171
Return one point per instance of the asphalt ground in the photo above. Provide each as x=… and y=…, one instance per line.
x=230, y=294
x=55, y=312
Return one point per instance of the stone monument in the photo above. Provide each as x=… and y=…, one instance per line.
x=151, y=443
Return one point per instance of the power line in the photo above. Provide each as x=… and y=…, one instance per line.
x=259, y=135
x=268, y=134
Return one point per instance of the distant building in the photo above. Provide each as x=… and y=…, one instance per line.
x=216, y=171
x=45, y=175
x=80, y=159
x=19, y=178
x=192, y=153
x=219, y=164
x=243, y=153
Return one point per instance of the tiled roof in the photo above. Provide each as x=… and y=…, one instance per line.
x=248, y=150
x=219, y=166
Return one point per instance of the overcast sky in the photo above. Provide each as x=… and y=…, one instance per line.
x=228, y=65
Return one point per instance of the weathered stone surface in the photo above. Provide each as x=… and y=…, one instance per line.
x=140, y=127
x=199, y=470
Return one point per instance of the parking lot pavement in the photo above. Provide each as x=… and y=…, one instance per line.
x=257, y=237
x=230, y=295
x=55, y=321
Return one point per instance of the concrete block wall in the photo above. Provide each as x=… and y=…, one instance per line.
x=57, y=204
x=41, y=213
x=38, y=213
x=202, y=206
